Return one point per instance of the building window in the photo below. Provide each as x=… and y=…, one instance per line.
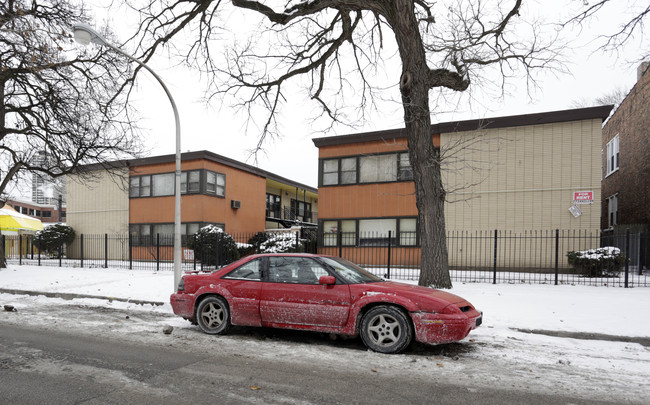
x=612, y=155
x=330, y=172
x=378, y=168
x=162, y=184
x=215, y=184
x=349, y=170
x=382, y=168
x=273, y=205
x=47, y=214
x=404, y=170
x=374, y=232
x=140, y=186
x=192, y=182
x=330, y=232
x=370, y=232
x=612, y=209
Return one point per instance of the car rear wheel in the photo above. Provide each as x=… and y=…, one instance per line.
x=213, y=315
x=386, y=329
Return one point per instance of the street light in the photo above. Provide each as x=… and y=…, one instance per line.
x=84, y=35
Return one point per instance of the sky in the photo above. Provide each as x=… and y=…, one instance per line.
x=498, y=352
x=220, y=129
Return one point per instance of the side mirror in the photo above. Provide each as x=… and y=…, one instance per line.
x=327, y=280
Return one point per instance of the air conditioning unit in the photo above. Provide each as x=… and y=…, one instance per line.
x=235, y=204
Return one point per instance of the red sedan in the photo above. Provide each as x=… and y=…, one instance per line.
x=323, y=294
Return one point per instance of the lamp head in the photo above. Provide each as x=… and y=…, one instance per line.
x=84, y=35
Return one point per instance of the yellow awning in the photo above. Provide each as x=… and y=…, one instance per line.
x=12, y=221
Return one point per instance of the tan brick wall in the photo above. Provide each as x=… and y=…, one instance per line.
x=100, y=205
x=522, y=178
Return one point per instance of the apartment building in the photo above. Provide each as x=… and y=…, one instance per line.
x=516, y=173
x=137, y=197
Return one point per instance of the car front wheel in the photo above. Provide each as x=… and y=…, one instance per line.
x=213, y=315
x=386, y=329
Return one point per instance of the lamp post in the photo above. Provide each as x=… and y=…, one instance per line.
x=84, y=35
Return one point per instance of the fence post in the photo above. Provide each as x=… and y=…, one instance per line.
x=60, y=253
x=105, y=250
x=627, y=258
x=39, y=255
x=157, y=251
x=494, y=278
x=194, y=250
x=642, y=252
x=20, y=249
x=297, y=241
x=389, y=246
x=216, y=250
x=339, y=242
x=557, y=254
x=81, y=242
x=130, y=251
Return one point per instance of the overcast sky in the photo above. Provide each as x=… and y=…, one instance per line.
x=220, y=130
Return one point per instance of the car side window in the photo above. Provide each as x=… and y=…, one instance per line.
x=295, y=270
x=247, y=271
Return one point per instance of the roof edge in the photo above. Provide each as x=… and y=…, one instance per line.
x=579, y=114
x=198, y=155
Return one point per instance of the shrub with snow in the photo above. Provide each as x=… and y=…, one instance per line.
x=206, y=242
x=281, y=243
x=54, y=236
x=602, y=262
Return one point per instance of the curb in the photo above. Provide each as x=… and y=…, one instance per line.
x=71, y=296
x=643, y=341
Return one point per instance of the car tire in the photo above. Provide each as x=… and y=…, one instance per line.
x=213, y=315
x=386, y=329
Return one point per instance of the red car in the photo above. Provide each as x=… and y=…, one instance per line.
x=323, y=294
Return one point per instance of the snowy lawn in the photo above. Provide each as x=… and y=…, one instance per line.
x=526, y=306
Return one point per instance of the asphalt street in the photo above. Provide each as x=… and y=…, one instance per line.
x=51, y=367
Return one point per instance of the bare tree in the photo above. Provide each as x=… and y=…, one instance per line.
x=61, y=106
x=340, y=52
x=613, y=97
x=631, y=27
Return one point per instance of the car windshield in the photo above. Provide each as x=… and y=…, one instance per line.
x=349, y=271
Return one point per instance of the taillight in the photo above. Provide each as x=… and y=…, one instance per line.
x=181, y=285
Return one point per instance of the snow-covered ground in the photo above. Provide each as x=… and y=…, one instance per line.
x=500, y=352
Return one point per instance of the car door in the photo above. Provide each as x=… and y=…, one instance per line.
x=291, y=294
x=245, y=284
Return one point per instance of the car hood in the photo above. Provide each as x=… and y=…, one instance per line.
x=424, y=298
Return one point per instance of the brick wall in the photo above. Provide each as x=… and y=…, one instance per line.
x=631, y=182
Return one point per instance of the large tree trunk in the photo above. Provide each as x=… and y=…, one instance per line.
x=424, y=157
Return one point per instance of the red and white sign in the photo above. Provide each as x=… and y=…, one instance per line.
x=583, y=197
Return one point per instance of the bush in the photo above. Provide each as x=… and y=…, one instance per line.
x=601, y=262
x=52, y=237
x=281, y=243
x=257, y=240
x=206, y=242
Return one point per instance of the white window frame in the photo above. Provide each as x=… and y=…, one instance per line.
x=612, y=155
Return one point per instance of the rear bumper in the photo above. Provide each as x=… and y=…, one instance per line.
x=439, y=328
x=183, y=305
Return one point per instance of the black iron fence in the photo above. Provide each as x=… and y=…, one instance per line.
x=489, y=256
